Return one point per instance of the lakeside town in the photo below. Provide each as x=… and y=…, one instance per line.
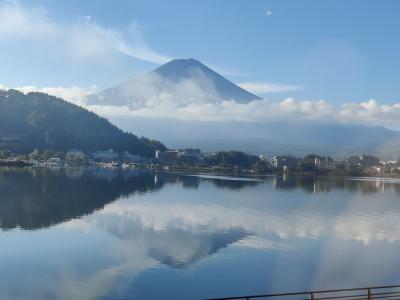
x=195, y=160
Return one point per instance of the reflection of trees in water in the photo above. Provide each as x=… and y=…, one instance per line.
x=193, y=181
x=187, y=181
x=234, y=184
x=35, y=197
x=325, y=185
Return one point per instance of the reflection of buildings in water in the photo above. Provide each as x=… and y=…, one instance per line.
x=52, y=197
x=110, y=174
x=192, y=182
x=285, y=182
x=274, y=181
x=180, y=234
x=285, y=177
x=233, y=184
x=155, y=179
x=74, y=172
x=319, y=185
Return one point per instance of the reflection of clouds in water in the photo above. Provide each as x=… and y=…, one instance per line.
x=361, y=220
x=80, y=224
x=318, y=239
x=138, y=248
x=86, y=270
x=172, y=246
x=343, y=264
x=173, y=233
x=129, y=260
x=255, y=242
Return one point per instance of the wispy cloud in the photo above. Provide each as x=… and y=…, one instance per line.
x=254, y=111
x=72, y=94
x=81, y=39
x=262, y=88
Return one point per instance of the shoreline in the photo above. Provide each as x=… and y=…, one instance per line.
x=197, y=171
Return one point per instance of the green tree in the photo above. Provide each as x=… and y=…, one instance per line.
x=370, y=160
x=47, y=154
x=261, y=167
x=233, y=158
x=60, y=155
x=50, y=137
x=35, y=155
x=40, y=121
x=4, y=154
x=307, y=164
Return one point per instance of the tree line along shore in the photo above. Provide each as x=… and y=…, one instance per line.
x=195, y=161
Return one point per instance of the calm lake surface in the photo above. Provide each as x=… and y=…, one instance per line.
x=102, y=234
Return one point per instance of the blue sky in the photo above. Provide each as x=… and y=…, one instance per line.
x=339, y=51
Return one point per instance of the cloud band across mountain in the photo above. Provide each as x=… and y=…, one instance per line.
x=200, y=108
x=369, y=113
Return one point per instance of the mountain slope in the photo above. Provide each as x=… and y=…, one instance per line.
x=181, y=69
x=180, y=80
x=40, y=121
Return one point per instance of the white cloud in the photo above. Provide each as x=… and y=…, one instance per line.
x=366, y=113
x=85, y=39
x=371, y=112
x=254, y=111
x=205, y=217
x=72, y=94
x=81, y=39
x=262, y=88
x=17, y=21
x=197, y=99
x=269, y=13
x=189, y=100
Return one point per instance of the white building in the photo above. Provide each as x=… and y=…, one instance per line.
x=76, y=153
x=105, y=156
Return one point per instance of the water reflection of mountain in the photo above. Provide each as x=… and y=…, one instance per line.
x=179, y=248
x=35, y=198
x=193, y=181
x=174, y=247
x=189, y=248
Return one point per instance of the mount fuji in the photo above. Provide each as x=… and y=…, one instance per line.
x=181, y=80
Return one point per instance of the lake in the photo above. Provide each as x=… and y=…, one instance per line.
x=104, y=234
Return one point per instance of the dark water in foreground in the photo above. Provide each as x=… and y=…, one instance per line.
x=98, y=234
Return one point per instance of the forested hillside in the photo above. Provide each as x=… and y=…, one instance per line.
x=39, y=121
